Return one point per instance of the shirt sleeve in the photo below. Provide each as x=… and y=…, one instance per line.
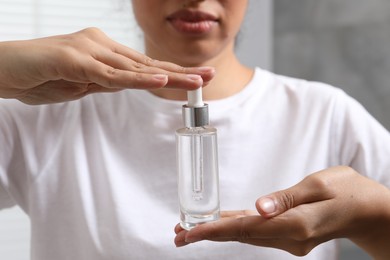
x=5, y=200
x=10, y=155
x=361, y=141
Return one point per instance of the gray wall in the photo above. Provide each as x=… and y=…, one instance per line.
x=342, y=42
x=254, y=42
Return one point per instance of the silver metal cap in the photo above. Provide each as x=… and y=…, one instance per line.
x=195, y=116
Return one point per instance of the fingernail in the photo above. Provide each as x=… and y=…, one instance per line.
x=161, y=77
x=205, y=69
x=268, y=205
x=194, y=77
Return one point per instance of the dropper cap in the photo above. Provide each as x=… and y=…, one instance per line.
x=195, y=113
x=195, y=98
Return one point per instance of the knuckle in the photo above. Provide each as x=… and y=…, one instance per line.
x=91, y=31
x=303, y=233
x=138, y=77
x=347, y=170
x=286, y=200
x=182, y=70
x=112, y=71
x=110, y=75
x=244, y=234
x=177, y=68
x=147, y=61
x=138, y=65
x=320, y=184
x=303, y=230
x=138, y=81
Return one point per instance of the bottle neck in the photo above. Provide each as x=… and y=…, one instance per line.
x=196, y=116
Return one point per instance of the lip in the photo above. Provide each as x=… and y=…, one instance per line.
x=192, y=21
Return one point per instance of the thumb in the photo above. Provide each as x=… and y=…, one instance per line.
x=276, y=203
x=311, y=189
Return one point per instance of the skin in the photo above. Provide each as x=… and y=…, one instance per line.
x=215, y=49
x=333, y=203
x=67, y=67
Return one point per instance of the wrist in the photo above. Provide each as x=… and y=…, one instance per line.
x=372, y=232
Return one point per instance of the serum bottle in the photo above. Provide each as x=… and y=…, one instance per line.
x=197, y=164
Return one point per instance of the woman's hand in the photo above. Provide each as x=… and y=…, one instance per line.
x=334, y=203
x=68, y=67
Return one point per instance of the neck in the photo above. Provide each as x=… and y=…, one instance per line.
x=231, y=77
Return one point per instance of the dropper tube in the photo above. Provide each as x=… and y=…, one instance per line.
x=195, y=100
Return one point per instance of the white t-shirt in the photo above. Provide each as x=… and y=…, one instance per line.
x=97, y=176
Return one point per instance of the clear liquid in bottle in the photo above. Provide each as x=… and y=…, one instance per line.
x=198, y=182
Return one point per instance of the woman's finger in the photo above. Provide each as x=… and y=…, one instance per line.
x=314, y=187
x=141, y=61
x=180, y=238
x=120, y=73
x=226, y=214
x=114, y=78
x=234, y=229
x=291, y=224
x=238, y=213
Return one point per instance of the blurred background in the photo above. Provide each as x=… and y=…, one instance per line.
x=345, y=43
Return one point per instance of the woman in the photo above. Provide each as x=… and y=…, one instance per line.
x=97, y=175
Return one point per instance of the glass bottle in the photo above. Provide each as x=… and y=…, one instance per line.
x=197, y=166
